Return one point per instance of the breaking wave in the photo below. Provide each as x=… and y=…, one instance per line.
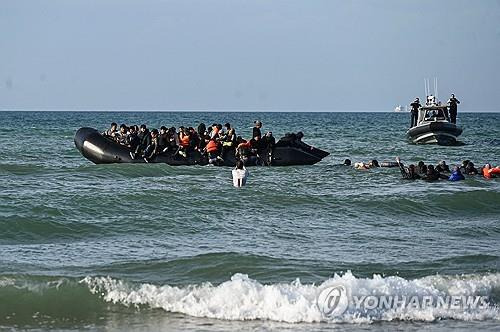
x=243, y=298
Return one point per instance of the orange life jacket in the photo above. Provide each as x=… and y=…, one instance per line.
x=184, y=140
x=211, y=146
x=486, y=173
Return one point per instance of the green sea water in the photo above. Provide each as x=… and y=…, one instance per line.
x=157, y=247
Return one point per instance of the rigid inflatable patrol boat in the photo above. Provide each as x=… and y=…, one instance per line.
x=434, y=125
x=102, y=150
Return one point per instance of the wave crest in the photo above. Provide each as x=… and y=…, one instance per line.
x=243, y=298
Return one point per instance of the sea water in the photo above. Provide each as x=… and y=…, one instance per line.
x=157, y=247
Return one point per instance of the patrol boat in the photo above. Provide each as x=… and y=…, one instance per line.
x=434, y=125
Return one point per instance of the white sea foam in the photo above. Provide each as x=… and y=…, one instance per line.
x=242, y=298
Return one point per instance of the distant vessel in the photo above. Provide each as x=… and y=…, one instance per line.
x=400, y=108
x=433, y=122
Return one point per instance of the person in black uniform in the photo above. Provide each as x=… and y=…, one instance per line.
x=452, y=105
x=414, y=112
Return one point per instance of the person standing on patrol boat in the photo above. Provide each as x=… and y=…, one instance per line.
x=453, y=106
x=414, y=112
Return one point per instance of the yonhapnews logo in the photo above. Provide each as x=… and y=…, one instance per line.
x=333, y=301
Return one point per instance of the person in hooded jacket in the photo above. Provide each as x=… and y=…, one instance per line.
x=456, y=175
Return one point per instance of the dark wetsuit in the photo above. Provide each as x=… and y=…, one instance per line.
x=434, y=176
x=266, y=148
x=133, y=141
x=471, y=170
x=145, y=140
x=162, y=142
x=453, y=102
x=407, y=174
x=256, y=132
x=414, y=113
x=153, y=148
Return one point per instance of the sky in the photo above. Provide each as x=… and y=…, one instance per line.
x=307, y=55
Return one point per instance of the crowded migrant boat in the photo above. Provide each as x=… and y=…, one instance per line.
x=216, y=144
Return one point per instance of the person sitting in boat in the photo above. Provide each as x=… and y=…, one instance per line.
x=111, y=132
x=163, y=139
x=491, y=172
x=214, y=133
x=414, y=112
x=145, y=140
x=202, y=134
x=456, y=175
x=246, y=151
x=228, y=140
x=212, y=149
x=433, y=175
x=453, y=108
x=121, y=137
x=195, y=139
x=184, y=141
x=240, y=174
x=153, y=148
x=408, y=173
x=132, y=139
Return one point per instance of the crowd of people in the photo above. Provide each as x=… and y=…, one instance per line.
x=214, y=141
x=430, y=173
x=442, y=171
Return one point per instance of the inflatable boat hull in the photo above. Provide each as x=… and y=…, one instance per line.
x=101, y=150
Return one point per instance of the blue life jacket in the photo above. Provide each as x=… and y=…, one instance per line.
x=455, y=176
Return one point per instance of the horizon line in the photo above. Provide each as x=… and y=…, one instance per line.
x=219, y=110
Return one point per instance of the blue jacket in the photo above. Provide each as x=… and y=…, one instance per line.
x=456, y=176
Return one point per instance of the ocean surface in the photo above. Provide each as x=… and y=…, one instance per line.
x=154, y=247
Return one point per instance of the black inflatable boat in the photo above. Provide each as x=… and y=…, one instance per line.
x=102, y=150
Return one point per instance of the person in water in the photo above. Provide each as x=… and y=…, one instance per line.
x=408, y=173
x=456, y=175
x=433, y=175
x=453, y=108
x=491, y=172
x=266, y=148
x=442, y=167
x=371, y=164
x=347, y=162
x=240, y=174
x=470, y=169
x=414, y=112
